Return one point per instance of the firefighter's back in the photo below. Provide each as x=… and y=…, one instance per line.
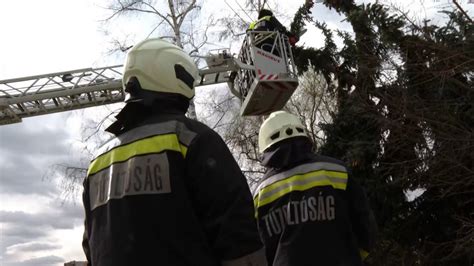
x=140, y=205
x=305, y=216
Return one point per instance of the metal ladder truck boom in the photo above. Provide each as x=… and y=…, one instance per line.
x=263, y=79
x=58, y=92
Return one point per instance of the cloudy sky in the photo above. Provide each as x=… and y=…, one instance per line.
x=38, y=224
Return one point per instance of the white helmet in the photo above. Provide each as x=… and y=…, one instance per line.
x=278, y=126
x=161, y=66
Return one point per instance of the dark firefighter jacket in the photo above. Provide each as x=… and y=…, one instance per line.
x=309, y=210
x=269, y=23
x=167, y=191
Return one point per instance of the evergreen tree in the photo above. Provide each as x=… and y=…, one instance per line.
x=404, y=121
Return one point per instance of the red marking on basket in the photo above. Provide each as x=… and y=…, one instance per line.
x=268, y=77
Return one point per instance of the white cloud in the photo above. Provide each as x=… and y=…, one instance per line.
x=70, y=241
x=32, y=247
x=47, y=36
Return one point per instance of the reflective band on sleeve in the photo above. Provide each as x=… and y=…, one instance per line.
x=363, y=254
x=155, y=144
x=253, y=24
x=302, y=182
x=141, y=175
x=253, y=259
x=299, y=170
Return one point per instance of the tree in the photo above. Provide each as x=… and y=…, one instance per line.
x=314, y=104
x=241, y=133
x=310, y=102
x=178, y=23
x=404, y=121
x=72, y=174
x=395, y=101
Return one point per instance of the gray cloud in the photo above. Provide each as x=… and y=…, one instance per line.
x=20, y=233
x=24, y=177
x=27, y=153
x=64, y=218
x=13, y=235
x=23, y=231
x=19, y=218
x=33, y=246
x=40, y=141
x=40, y=261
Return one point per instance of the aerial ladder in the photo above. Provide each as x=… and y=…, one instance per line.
x=263, y=76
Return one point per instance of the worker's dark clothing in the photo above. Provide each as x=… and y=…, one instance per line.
x=309, y=210
x=268, y=23
x=167, y=191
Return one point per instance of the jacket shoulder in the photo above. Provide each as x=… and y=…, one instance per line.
x=328, y=159
x=314, y=158
x=186, y=130
x=196, y=126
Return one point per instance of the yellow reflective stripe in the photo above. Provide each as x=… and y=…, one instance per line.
x=274, y=191
x=363, y=253
x=301, y=169
x=149, y=130
x=253, y=24
x=144, y=146
x=302, y=177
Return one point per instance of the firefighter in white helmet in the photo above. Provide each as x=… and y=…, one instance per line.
x=309, y=210
x=166, y=189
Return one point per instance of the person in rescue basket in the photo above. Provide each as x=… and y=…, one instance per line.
x=268, y=22
x=166, y=189
x=309, y=210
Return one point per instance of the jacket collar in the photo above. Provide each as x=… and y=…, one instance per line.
x=288, y=153
x=134, y=114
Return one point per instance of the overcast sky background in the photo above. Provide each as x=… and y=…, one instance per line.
x=37, y=225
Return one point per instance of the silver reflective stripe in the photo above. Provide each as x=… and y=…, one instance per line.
x=301, y=169
x=142, y=175
x=185, y=135
x=298, y=182
x=257, y=258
